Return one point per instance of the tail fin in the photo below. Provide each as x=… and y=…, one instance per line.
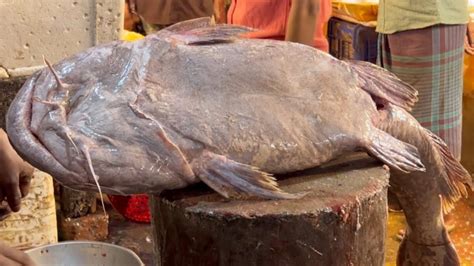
x=384, y=84
x=456, y=178
x=443, y=168
x=395, y=153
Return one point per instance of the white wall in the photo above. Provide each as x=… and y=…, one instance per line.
x=56, y=29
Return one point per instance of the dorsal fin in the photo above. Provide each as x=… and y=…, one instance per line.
x=191, y=24
x=382, y=83
x=202, y=31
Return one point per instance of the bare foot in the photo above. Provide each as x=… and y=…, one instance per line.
x=449, y=227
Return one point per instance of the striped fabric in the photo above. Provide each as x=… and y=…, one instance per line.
x=431, y=60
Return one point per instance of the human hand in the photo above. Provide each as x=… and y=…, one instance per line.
x=301, y=22
x=14, y=257
x=220, y=14
x=468, y=47
x=469, y=38
x=15, y=175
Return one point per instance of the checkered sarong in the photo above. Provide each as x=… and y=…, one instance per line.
x=431, y=60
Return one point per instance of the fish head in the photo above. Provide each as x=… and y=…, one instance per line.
x=54, y=121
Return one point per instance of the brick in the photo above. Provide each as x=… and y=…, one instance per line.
x=92, y=227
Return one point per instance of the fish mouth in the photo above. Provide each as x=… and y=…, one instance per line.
x=23, y=140
x=28, y=146
x=31, y=149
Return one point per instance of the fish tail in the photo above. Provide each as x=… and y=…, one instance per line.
x=452, y=179
x=395, y=153
x=383, y=84
x=456, y=178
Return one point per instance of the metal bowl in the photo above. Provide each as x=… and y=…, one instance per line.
x=72, y=253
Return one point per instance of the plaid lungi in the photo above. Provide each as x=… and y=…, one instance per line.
x=431, y=60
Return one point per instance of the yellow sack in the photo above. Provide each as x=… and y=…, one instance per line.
x=357, y=11
x=130, y=36
x=364, y=11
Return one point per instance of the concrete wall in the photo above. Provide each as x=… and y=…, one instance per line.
x=55, y=29
x=8, y=90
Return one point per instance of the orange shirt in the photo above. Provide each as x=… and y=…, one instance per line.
x=270, y=18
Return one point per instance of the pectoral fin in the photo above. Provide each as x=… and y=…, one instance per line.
x=233, y=180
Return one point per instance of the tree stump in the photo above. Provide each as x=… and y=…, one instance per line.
x=341, y=221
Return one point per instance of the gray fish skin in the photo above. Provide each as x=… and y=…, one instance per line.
x=185, y=106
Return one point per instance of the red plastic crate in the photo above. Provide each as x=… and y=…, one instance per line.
x=134, y=208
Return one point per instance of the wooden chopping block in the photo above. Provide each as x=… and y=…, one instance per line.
x=341, y=221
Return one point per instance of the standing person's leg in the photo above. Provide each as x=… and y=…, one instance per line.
x=431, y=60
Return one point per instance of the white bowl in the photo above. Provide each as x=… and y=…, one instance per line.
x=80, y=253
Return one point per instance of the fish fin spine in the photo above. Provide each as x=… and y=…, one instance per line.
x=381, y=83
x=457, y=178
x=235, y=180
x=395, y=153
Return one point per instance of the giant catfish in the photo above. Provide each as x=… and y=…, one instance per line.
x=194, y=102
